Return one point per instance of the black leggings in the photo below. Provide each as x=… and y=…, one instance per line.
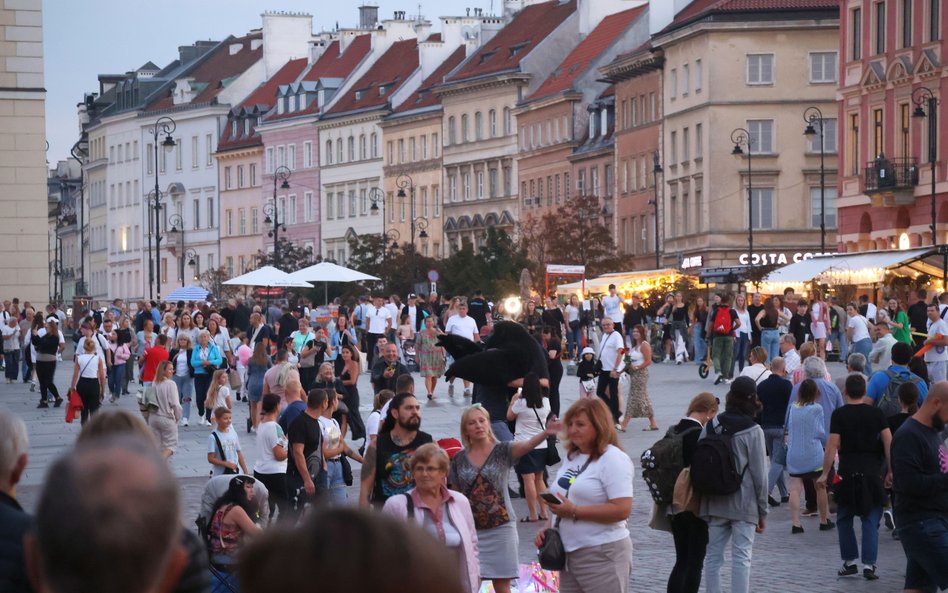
x=45, y=369
x=691, y=541
x=89, y=390
x=276, y=486
x=202, y=382
x=611, y=385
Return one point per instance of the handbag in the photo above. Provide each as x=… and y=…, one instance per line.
x=552, y=554
x=346, y=469
x=552, y=454
x=684, y=497
x=74, y=406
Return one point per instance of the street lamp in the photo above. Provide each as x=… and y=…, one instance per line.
x=191, y=257
x=404, y=181
x=164, y=126
x=920, y=96
x=741, y=137
x=813, y=116
x=656, y=171
x=272, y=213
x=177, y=226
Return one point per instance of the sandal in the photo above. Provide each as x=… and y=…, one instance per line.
x=648, y=428
x=528, y=520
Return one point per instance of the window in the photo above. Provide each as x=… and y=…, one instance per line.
x=240, y=175
x=352, y=148
x=855, y=50
x=594, y=180
x=436, y=199
x=254, y=215
x=328, y=152
x=830, y=200
x=291, y=157
x=435, y=146
x=607, y=173
x=307, y=155
x=581, y=183
x=464, y=128
x=699, y=141
x=685, y=146
x=761, y=135
x=906, y=127
x=150, y=158
x=178, y=156
x=339, y=150
x=698, y=80
x=329, y=204
x=412, y=152
x=685, y=79
x=934, y=20
x=209, y=150
x=120, y=159
x=698, y=221
x=353, y=204
x=673, y=149
x=829, y=137
x=763, y=203
x=229, y=222
x=401, y=150
x=253, y=174
x=478, y=126
x=242, y=221
x=854, y=144
x=134, y=155
x=878, y=145
x=401, y=210
x=390, y=207
x=453, y=188
x=210, y=213
x=480, y=184
x=363, y=202
x=466, y=186
x=635, y=113
x=340, y=205
x=879, y=31
x=196, y=207
x=653, y=114
x=567, y=188
x=227, y=181
x=194, y=152
x=492, y=123
x=423, y=140
x=907, y=23
x=423, y=195
x=823, y=67
x=508, y=121
x=557, y=190
x=492, y=187
x=375, y=145
x=270, y=167
x=452, y=138
x=508, y=181
x=363, y=148
x=673, y=83
x=760, y=68
x=291, y=219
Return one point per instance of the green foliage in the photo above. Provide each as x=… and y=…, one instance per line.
x=213, y=281
x=495, y=269
x=292, y=257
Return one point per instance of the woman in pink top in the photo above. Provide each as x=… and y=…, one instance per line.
x=120, y=355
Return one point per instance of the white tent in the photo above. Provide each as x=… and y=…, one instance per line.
x=327, y=272
x=852, y=268
x=268, y=277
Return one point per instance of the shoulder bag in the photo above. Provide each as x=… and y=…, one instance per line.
x=552, y=454
x=220, y=447
x=552, y=554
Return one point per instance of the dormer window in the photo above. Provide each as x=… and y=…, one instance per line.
x=280, y=105
x=358, y=95
x=382, y=90
x=292, y=106
x=515, y=49
x=488, y=55
x=247, y=126
x=233, y=129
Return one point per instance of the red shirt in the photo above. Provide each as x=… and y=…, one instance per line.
x=153, y=357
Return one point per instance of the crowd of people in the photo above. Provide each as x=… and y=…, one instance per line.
x=787, y=433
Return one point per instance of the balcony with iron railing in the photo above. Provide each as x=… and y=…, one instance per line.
x=891, y=182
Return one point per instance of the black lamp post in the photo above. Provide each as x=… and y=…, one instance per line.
x=190, y=256
x=656, y=171
x=177, y=226
x=282, y=174
x=920, y=96
x=404, y=181
x=813, y=116
x=165, y=126
x=741, y=137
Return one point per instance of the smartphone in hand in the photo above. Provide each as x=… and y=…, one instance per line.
x=550, y=498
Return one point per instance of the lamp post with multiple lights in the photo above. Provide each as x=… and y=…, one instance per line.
x=165, y=126
x=741, y=138
x=814, y=117
x=272, y=213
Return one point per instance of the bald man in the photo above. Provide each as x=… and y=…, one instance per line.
x=117, y=530
x=920, y=482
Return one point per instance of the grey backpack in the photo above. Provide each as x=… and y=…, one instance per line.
x=889, y=403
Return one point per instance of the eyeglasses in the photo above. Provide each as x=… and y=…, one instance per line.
x=426, y=469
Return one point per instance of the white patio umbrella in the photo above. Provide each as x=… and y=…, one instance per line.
x=327, y=272
x=268, y=277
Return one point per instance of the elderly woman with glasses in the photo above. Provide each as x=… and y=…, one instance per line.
x=443, y=513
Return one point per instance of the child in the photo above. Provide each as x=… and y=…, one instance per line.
x=218, y=395
x=404, y=330
x=586, y=371
x=243, y=352
x=292, y=356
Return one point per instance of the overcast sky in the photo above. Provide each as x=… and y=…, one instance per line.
x=92, y=37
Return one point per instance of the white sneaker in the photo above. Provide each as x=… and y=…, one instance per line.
x=467, y=393
x=185, y=422
x=253, y=429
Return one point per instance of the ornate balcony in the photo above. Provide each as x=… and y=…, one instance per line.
x=891, y=182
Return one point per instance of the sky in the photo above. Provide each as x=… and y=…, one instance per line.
x=92, y=37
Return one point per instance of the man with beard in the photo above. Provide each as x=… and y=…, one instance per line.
x=386, y=465
x=920, y=482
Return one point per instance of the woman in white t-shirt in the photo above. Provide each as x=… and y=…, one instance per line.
x=574, y=329
x=272, y=452
x=757, y=369
x=374, y=419
x=334, y=448
x=529, y=409
x=858, y=332
x=742, y=334
x=594, y=485
x=88, y=378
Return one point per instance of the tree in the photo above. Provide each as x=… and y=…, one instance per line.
x=292, y=257
x=398, y=266
x=213, y=281
x=495, y=269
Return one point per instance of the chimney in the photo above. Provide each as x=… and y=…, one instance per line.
x=368, y=16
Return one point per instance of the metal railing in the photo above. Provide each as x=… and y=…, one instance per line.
x=884, y=174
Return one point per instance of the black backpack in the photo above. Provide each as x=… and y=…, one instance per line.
x=713, y=469
x=662, y=463
x=889, y=402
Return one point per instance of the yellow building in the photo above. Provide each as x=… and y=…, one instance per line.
x=23, y=193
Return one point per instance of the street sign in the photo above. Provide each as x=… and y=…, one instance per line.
x=565, y=269
x=434, y=288
x=433, y=275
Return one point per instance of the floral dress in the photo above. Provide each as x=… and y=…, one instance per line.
x=430, y=355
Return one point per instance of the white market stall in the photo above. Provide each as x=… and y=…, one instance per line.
x=626, y=282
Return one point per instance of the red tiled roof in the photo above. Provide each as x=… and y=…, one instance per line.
x=217, y=68
x=516, y=40
x=265, y=95
x=333, y=64
x=590, y=48
x=423, y=97
x=700, y=8
x=391, y=70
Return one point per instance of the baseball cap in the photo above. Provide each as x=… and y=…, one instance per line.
x=412, y=295
x=744, y=387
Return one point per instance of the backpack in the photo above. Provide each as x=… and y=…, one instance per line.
x=722, y=321
x=662, y=463
x=834, y=318
x=889, y=402
x=713, y=469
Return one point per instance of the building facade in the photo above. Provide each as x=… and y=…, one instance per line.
x=23, y=172
x=892, y=178
x=767, y=70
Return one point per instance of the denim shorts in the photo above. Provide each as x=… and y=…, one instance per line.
x=926, y=551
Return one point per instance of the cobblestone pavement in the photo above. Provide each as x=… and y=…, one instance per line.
x=804, y=563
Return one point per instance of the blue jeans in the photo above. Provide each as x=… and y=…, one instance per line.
x=186, y=393
x=574, y=341
x=770, y=341
x=741, y=346
x=848, y=548
x=777, y=475
x=864, y=347
x=12, y=358
x=24, y=366
x=925, y=543
x=335, y=484
x=701, y=347
x=839, y=336
x=116, y=376
x=741, y=535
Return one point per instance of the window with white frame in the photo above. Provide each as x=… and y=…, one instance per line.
x=830, y=143
x=823, y=67
x=492, y=123
x=436, y=200
x=227, y=178
x=364, y=202
x=685, y=79
x=242, y=221
x=329, y=205
x=340, y=204
x=423, y=140
x=196, y=206
x=673, y=83
x=308, y=204
x=254, y=221
x=698, y=80
x=307, y=155
x=210, y=213
x=353, y=204
x=328, y=152
x=253, y=174
x=240, y=175
x=480, y=184
x=453, y=188
x=423, y=194
x=375, y=145
x=829, y=197
x=291, y=219
x=763, y=202
x=761, y=135
x=178, y=155
x=466, y=186
x=195, y=155
x=269, y=165
x=351, y=144
x=208, y=150
x=291, y=157
x=229, y=222
x=281, y=156
x=760, y=68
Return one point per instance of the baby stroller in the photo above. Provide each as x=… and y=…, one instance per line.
x=410, y=355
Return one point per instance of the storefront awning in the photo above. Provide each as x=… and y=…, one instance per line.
x=601, y=284
x=852, y=268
